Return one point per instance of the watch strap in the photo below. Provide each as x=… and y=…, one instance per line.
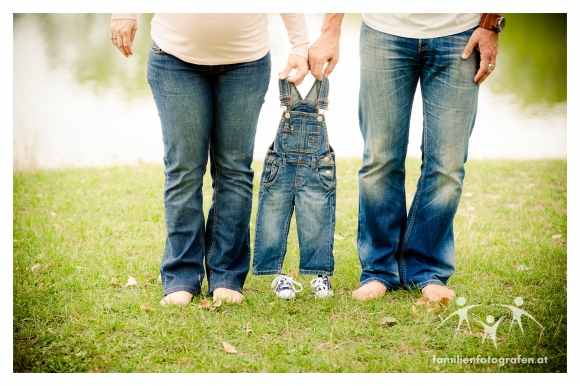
x=489, y=21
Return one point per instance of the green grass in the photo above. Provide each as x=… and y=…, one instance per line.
x=87, y=227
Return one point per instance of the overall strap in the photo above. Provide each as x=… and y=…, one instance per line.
x=289, y=94
x=318, y=94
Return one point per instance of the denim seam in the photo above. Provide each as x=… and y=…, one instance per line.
x=285, y=239
x=224, y=285
x=383, y=282
x=425, y=283
x=419, y=189
x=315, y=272
x=215, y=211
x=170, y=290
x=269, y=272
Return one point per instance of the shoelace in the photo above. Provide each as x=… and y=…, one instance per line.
x=281, y=280
x=320, y=283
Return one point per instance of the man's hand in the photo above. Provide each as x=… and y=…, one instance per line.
x=326, y=48
x=122, y=33
x=295, y=62
x=486, y=42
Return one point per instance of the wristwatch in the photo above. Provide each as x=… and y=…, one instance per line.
x=492, y=21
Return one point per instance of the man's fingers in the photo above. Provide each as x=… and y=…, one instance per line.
x=469, y=48
x=316, y=69
x=330, y=67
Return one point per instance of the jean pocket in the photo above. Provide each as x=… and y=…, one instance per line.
x=155, y=48
x=271, y=171
x=326, y=174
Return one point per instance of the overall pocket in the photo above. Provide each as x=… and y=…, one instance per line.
x=326, y=173
x=299, y=138
x=271, y=170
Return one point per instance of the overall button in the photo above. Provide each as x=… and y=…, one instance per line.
x=326, y=158
x=287, y=115
x=327, y=172
x=319, y=119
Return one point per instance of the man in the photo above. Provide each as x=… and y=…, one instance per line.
x=397, y=51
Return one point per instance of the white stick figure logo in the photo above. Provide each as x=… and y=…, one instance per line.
x=461, y=313
x=490, y=331
x=517, y=314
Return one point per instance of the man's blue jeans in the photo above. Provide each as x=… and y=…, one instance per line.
x=207, y=109
x=417, y=248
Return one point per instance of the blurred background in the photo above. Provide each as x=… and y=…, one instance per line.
x=79, y=102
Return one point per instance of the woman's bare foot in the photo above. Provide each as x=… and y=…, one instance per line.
x=435, y=292
x=181, y=298
x=369, y=291
x=228, y=295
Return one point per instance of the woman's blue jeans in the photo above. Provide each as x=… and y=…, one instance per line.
x=417, y=248
x=207, y=110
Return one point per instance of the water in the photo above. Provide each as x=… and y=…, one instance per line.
x=79, y=102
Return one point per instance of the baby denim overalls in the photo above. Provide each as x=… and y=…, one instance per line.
x=299, y=175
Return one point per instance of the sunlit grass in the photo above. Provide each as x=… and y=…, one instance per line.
x=91, y=228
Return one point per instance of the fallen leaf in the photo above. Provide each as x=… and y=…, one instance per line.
x=444, y=301
x=48, y=266
x=204, y=304
x=248, y=329
x=388, y=320
x=342, y=290
x=113, y=280
x=338, y=237
x=422, y=302
x=36, y=268
x=435, y=309
x=414, y=310
x=229, y=348
x=216, y=305
x=152, y=280
x=145, y=308
x=159, y=278
x=555, y=237
x=131, y=281
x=294, y=272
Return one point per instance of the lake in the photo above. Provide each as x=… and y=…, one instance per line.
x=78, y=102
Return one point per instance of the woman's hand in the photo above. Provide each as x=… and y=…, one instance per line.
x=122, y=35
x=300, y=64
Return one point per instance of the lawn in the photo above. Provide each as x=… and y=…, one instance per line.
x=79, y=234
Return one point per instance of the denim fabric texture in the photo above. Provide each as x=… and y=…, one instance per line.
x=417, y=248
x=207, y=111
x=299, y=175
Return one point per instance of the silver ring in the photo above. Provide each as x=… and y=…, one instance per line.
x=490, y=67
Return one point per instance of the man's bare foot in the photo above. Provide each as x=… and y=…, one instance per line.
x=435, y=292
x=181, y=298
x=369, y=291
x=228, y=295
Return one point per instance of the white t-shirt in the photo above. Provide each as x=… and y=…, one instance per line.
x=221, y=38
x=421, y=25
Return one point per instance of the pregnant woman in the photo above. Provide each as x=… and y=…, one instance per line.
x=209, y=74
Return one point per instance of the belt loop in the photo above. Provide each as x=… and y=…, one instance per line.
x=285, y=97
x=323, y=95
x=283, y=160
x=313, y=166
